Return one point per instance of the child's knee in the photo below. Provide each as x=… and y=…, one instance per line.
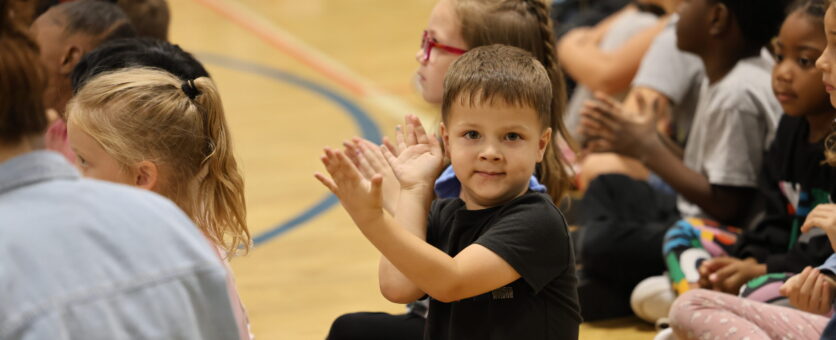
x=688, y=306
x=595, y=165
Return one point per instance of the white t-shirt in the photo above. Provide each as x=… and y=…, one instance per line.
x=734, y=124
x=676, y=74
x=622, y=29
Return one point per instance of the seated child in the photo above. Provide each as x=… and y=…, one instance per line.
x=136, y=52
x=625, y=220
x=497, y=262
x=793, y=181
x=149, y=129
x=65, y=33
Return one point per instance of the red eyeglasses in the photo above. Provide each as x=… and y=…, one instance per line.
x=427, y=44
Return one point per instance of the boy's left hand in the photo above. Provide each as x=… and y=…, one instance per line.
x=728, y=274
x=360, y=197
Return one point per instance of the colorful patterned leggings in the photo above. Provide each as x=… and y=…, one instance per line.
x=691, y=241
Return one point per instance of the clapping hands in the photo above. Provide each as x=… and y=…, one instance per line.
x=608, y=128
x=420, y=160
x=367, y=178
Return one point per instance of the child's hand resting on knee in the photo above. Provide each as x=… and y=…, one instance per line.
x=728, y=274
x=810, y=291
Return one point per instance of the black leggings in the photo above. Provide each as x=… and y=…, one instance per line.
x=377, y=326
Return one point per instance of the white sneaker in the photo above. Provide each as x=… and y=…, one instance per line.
x=665, y=334
x=652, y=298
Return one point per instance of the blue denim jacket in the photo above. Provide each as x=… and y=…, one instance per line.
x=84, y=259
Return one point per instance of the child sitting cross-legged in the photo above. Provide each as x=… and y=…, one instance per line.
x=497, y=261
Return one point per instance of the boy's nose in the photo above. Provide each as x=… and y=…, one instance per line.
x=490, y=153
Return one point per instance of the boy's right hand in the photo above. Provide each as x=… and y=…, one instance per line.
x=361, y=197
x=420, y=160
x=810, y=291
x=369, y=159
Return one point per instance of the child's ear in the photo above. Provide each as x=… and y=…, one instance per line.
x=445, y=139
x=147, y=175
x=719, y=19
x=543, y=143
x=70, y=58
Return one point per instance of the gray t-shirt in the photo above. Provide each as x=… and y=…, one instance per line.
x=733, y=126
x=674, y=73
x=624, y=28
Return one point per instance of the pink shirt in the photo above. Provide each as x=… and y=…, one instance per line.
x=237, y=306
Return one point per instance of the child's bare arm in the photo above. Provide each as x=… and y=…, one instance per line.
x=416, y=166
x=473, y=271
x=413, y=208
x=606, y=71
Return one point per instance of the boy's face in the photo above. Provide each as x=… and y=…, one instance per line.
x=795, y=80
x=692, y=29
x=443, y=28
x=494, y=148
x=828, y=57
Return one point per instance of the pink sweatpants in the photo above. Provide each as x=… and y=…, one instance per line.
x=704, y=314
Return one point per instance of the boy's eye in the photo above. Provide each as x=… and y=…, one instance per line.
x=806, y=63
x=513, y=136
x=471, y=134
x=779, y=57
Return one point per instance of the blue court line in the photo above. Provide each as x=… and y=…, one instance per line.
x=368, y=129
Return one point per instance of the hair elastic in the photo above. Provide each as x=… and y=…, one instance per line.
x=189, y=89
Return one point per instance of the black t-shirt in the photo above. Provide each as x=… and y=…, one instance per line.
x=530, y=234
x=793, y=181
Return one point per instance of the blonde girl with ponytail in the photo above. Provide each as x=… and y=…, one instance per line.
x=147, y=128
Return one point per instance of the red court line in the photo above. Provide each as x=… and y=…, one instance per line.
x=247, y=22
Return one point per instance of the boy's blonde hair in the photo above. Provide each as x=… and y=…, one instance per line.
x=141, y=114
x=525, y=24
x=485, y=74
